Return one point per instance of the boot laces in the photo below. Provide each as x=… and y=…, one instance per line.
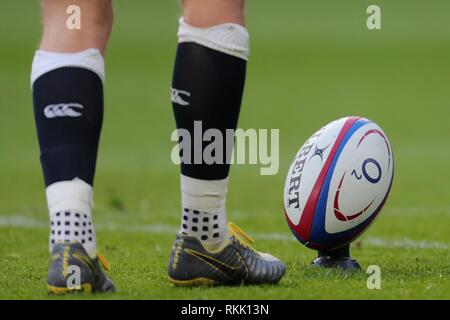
x=241, y=236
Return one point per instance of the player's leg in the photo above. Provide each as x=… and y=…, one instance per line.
x=208, y=13
x=67, y=83
x=210, y=66
x=208, y=83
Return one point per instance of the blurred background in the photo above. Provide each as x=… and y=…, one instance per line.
x=311, y=62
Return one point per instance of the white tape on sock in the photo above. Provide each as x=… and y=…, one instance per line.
x=70, y=209
x=203, y=214
x=46, y=61
x=229, y=38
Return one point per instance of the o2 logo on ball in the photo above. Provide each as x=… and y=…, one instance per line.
x=337, y=211
x=364, y=170
x=343, y=185
x=370, y=171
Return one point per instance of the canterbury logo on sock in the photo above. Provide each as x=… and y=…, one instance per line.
x=63, y=110
x=177, y=98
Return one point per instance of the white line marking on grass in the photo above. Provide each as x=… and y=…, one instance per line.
x=145, y=228
x=418, y=211
x=20, y=221
x=404, y=243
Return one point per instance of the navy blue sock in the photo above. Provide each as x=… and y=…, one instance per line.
x=207, y=86
x=68, y=109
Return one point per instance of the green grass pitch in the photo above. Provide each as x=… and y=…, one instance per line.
x=311, y=62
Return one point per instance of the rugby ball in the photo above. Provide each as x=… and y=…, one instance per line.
x=338, y=183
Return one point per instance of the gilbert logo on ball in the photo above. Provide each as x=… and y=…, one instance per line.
x=338, y=183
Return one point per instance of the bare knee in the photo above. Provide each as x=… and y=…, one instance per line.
x=206, y=13
x=93, y=30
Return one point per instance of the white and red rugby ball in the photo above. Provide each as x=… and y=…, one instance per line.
x=338, y=183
